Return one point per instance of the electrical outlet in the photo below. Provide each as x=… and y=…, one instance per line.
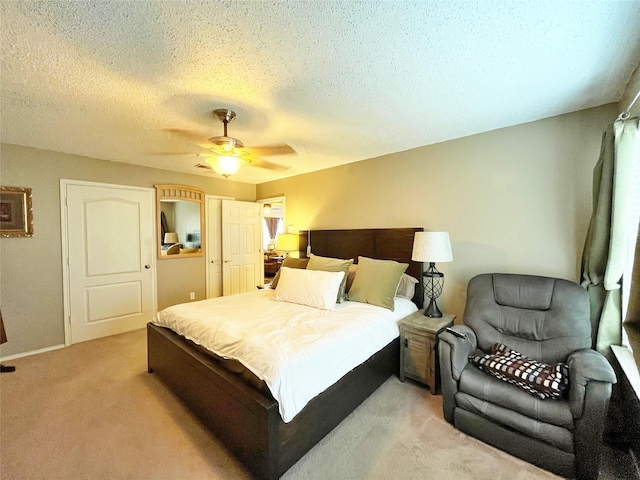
x=192, y=295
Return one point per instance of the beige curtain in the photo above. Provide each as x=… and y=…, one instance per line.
x=612, y=230
x=272, y=225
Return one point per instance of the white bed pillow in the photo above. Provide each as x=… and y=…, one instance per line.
x=328, y=264
x=314, y=288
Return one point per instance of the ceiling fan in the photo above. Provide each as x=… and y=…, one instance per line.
x=226, y=155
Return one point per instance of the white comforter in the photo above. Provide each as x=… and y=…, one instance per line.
x=298, y=351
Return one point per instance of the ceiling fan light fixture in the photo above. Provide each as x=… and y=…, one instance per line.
x=228, y=151
x=226, y=155
x=227, y=143
x=226, y=165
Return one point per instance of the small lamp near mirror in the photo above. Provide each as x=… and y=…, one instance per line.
x=432, y=247
x=172, y=243
x=171, y=238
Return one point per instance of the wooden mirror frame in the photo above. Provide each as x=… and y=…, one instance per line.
x=178, y=193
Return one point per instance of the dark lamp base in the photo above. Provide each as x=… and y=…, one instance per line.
x=432, y=310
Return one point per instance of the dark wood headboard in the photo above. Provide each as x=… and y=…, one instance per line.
x=381, y=243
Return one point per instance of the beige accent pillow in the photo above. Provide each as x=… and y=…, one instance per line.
x=313, y=288
x=289, y=262
x=328, y=264
x=351, y=274
x=376, y=281
x=406, y=287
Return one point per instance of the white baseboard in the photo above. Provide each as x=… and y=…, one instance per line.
x=33, y=352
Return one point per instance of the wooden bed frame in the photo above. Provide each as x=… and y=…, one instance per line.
x=246, y=420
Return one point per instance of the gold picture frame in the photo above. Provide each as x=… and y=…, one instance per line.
x=16, y=212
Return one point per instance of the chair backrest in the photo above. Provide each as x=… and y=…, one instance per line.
x=543, y=318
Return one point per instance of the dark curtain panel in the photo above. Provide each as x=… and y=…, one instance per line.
x=163, y=223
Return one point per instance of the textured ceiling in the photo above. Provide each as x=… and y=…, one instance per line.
x=339, y=81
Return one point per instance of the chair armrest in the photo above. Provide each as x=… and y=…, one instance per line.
x=453, y=353
x=586, y=366
x=460, y=348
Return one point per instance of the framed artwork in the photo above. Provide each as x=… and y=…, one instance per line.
x=16, y=212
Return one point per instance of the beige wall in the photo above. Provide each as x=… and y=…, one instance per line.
x=513, y=200
x=31, y=268
x=632, y=89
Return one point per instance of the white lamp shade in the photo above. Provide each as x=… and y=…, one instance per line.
x=287, y=242
x=431, y=247
x=171, y=237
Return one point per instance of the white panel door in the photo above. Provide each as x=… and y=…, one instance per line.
x=242, y=266
x=110, y=283
x=214, y=247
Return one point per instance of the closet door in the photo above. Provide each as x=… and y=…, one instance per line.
x=242, y=260
x=214, y=246
x=109, y=279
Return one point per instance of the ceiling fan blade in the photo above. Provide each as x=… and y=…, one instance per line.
x=190, y=134
x=208, y=145
x=257, y=162
x=264, y=151
x=168, y=154
x=204, y=166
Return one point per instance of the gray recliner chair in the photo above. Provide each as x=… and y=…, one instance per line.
x=545, y=319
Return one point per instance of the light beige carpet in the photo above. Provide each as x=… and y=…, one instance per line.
x=91, y=411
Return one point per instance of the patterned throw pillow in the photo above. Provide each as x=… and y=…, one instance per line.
x=537, y=378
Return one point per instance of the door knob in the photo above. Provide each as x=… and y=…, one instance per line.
x=147, y=267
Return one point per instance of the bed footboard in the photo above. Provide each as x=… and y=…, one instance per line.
x=247, y=421
x=242, y=418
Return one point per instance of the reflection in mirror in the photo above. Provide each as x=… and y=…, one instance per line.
x=272, y=221
x=273, y=224
x=180, y=218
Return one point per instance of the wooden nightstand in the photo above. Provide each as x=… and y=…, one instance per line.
x=418, y=348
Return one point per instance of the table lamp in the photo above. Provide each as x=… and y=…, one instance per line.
x=432, y=247
x=171, y=237
x=287, y=242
